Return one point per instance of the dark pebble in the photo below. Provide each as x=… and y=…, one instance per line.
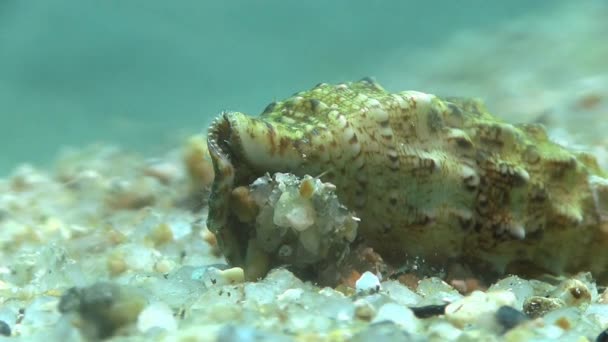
x=510, y=317
x=429, y=310
x=5, y=329
x=93, y=304
x=602, y=337
x=70, y=300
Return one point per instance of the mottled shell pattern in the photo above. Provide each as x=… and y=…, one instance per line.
x=437, y=178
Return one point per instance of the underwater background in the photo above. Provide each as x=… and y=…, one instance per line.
x=145, y=74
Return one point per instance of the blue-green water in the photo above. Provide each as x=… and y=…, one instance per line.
x=142, y=74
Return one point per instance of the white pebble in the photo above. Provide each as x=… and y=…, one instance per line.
x=234, y=275
x=521, y=288
x=478, y=308
x=156, y=315
x=290, y=295
x=400, y=294
x=444, y=331
x=368, y=283
x=400, y=315
x=598, y=313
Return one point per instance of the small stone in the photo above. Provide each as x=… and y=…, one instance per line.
x=364, y=310
x=290, y=295
x=573, y=292
x=26, y=177
x=160, y=235
x=382, y=331
x=478, y=308
x=598, y=313
x=521, y=288
x=429, y=310
x=565, y=318
x=103, y=308
x=5, y=329
x=443, y=331
x=602, y=337
x=399, y=293
x=218, y=275
x=164, y=171
x=156, y=315
x=233, y=275
x=509, y=317
x=139, y=257
x=232, y=333
x=116, y=263
x=198, y=162
x=116, y=237
x=398, y=314
x=604, y=297
x=164, y=266
x=537, y=306
x=436, y=292
x=126, y=194
x=368, y=283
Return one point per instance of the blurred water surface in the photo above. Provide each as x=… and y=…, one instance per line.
x=143, y=73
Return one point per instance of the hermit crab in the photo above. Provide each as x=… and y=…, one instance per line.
x=421, y=176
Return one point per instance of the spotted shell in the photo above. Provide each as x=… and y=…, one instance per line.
x=437, y=178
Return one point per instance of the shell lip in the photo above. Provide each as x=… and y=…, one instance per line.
x=218, y=130
x=219, y=145
x=225, y=143
x=231, y=169
x=220, y=139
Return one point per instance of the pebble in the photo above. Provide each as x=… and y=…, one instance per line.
x=164, y=171
x=604, y=297
x=602, y=337
x=383, y=331
x=219, y=275
x=5, y=329
x=574, y=293
x=399, y=293
x=232, y=333
x=198, y=162
x=156, y=315
x=400, y=315
x=538, y=306
x=429, y=310
x=443, y=331
x=364, y=310
x=478, y=308
x=565, y=318
x=103, y=307
x=436, y=292
x=290, y=295
x=521, y=288
x=599, y=313
x=368, y=283
x=509, y=317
